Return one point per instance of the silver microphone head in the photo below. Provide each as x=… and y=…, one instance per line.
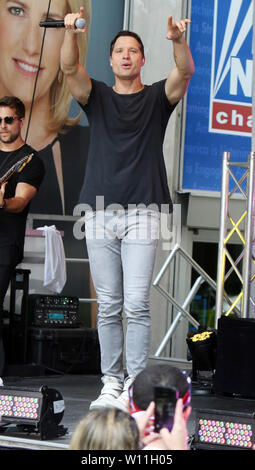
x=80, y=23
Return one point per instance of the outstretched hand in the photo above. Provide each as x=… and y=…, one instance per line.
x=177, y=29
x=70, y=19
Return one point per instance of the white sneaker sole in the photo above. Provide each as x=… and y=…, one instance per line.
x=103, y=403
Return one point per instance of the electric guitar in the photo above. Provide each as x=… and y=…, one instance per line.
x=16, y=168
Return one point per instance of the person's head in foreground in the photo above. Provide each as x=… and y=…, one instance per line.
x=141, y=392
x=106, y=429
x=142, y=399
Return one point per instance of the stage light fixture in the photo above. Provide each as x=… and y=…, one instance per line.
x=202, y=347
x=223, y=430
x=32, y=411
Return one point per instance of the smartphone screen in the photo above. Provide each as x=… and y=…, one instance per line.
x=165, y=401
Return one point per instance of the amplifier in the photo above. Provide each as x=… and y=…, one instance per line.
x=53, y=311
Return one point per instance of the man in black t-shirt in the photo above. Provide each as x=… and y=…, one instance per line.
x=124, y=189
x=16, y=192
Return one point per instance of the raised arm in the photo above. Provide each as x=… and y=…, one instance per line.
x=178, y=80
x=78, y=81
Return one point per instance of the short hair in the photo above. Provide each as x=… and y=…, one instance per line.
x=163, y=375
x=14, y=103
x=106, y=429
x=127, y=33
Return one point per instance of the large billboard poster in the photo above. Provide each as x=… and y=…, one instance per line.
x=219, y=102
x=30, y=70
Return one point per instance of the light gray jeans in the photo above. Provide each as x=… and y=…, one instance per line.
x=121, y=247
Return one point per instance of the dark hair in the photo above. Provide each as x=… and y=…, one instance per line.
x=161, y=375
x=127, y=33
x=14, y=103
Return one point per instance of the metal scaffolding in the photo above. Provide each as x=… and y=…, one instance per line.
x=244, y=229
x=243, y=305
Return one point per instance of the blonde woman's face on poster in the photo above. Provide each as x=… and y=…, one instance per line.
x=20, y=47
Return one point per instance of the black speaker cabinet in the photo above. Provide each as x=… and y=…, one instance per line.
x=69, y=350
x=235, y=364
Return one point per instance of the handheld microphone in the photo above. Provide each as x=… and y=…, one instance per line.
x=80, y=23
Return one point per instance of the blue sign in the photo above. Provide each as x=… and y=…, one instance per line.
x=219, y=102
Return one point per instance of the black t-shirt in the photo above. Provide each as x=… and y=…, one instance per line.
x=125, y=162
x=12, y=225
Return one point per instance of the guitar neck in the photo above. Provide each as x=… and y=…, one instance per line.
x=7, y=175
x=17, y=167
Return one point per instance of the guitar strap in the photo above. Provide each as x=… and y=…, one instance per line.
x=5, y=160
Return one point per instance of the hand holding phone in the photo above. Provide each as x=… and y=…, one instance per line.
x=165, y=401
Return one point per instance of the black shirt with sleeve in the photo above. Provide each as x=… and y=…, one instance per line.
x=13, y=225
x=125, y=161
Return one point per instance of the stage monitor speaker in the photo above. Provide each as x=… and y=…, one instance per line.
x=65, y=350
x=235, y=369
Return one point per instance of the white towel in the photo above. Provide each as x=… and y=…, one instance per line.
x=54, y=264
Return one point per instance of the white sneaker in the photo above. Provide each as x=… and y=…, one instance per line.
x=110, y=392
x=1, y=382
x=123, y=400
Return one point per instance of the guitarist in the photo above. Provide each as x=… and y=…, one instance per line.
x=15, y=194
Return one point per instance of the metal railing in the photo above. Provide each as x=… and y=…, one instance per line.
x=182, y=311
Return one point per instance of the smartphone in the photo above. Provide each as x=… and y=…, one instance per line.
x=165, y=401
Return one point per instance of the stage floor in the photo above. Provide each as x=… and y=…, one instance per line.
x=79, y=390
